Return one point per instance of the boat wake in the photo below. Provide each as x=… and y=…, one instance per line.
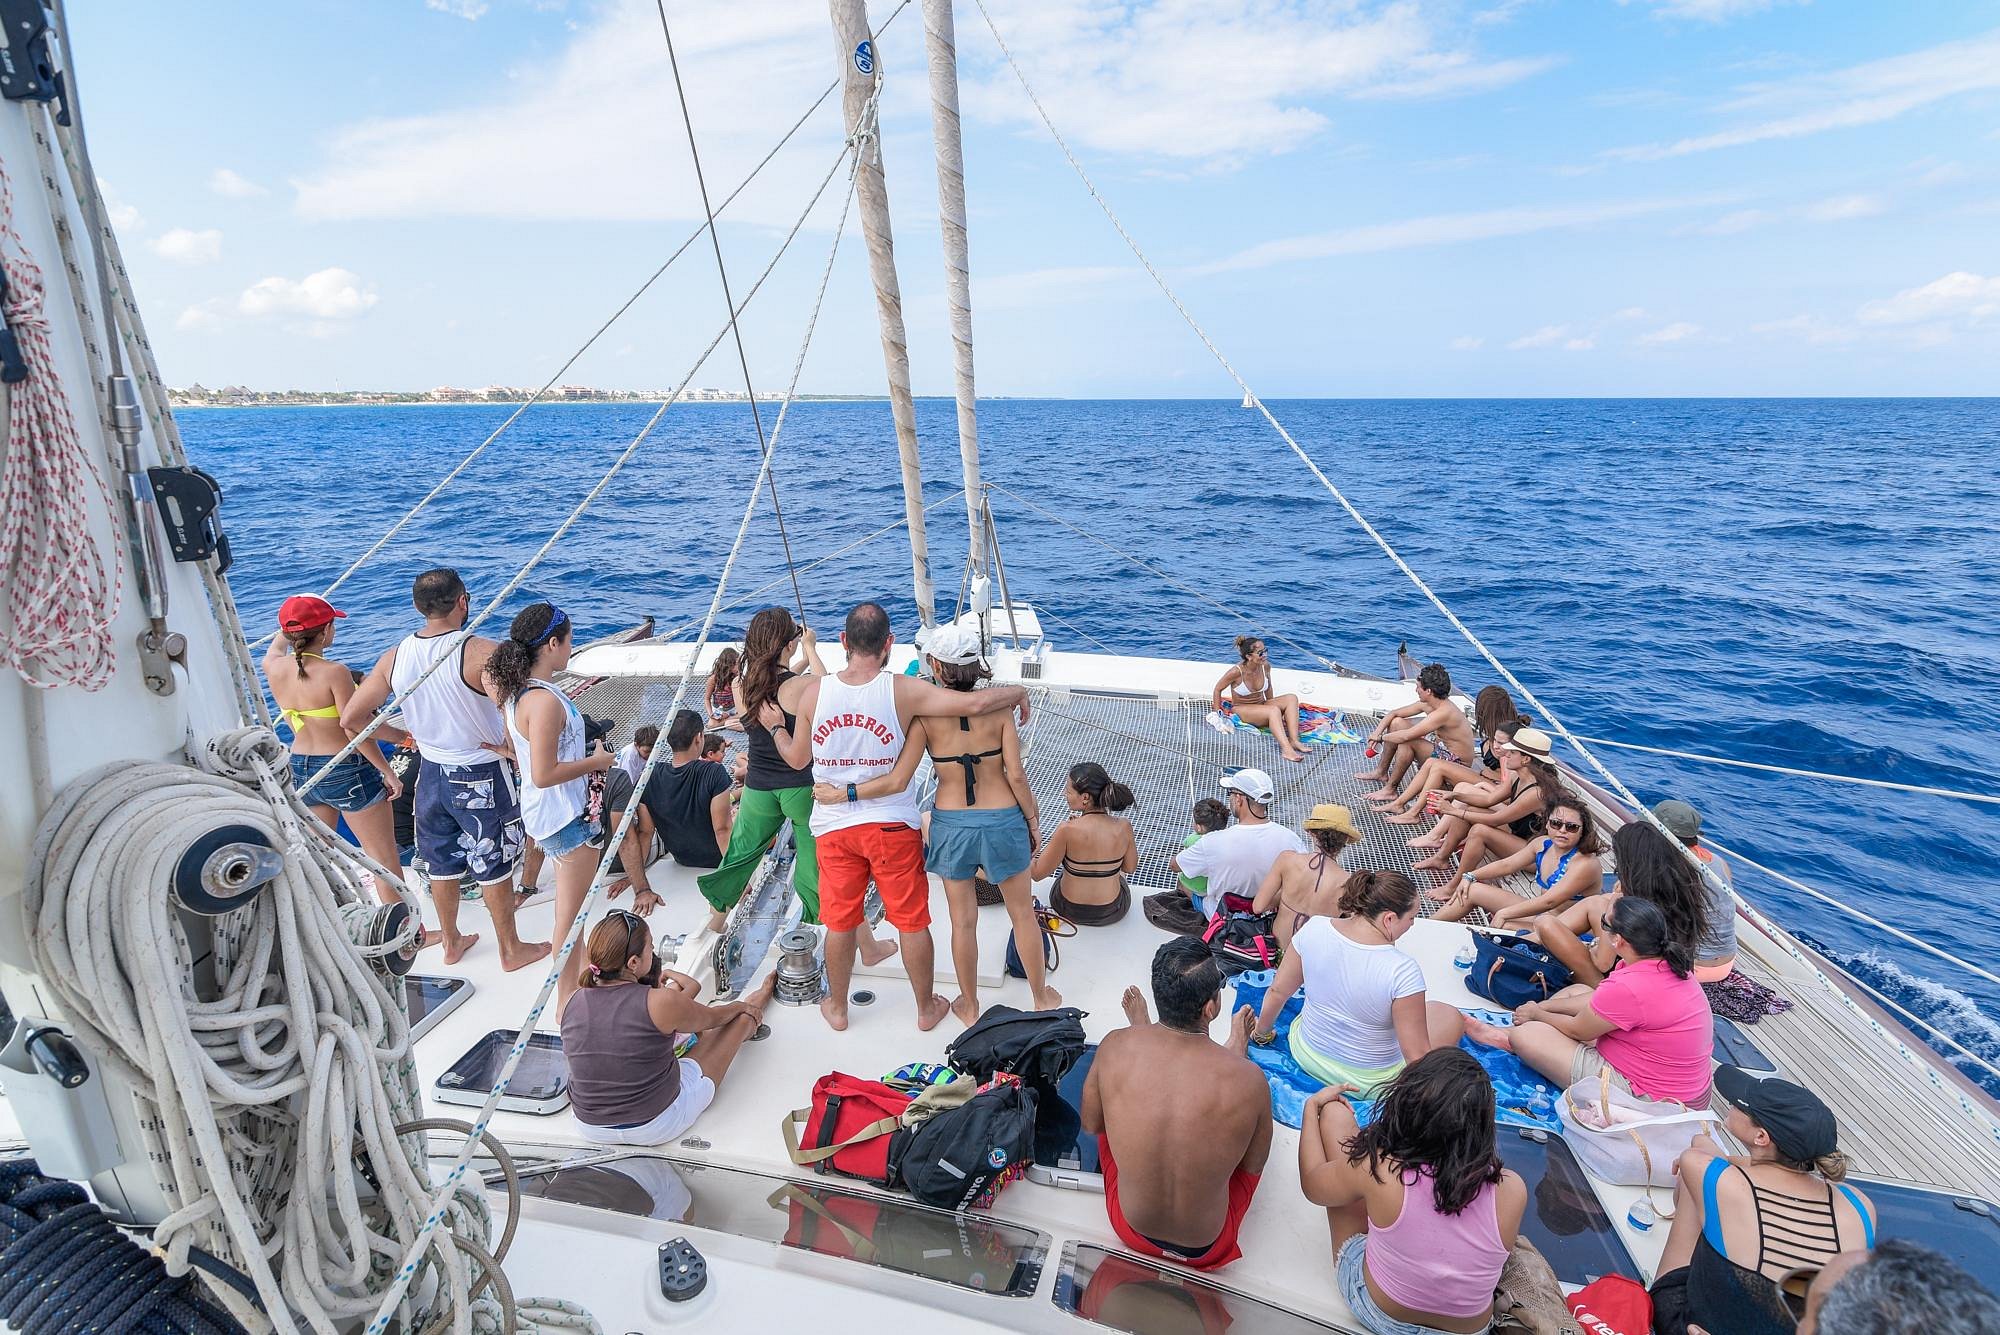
x=1952, y=1011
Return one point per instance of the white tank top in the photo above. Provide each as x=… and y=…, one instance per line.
x=546, y=810
x=856, y=737
x=448, y=719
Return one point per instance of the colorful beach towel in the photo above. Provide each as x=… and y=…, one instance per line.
x=1523, y=1097
x=1317, y=726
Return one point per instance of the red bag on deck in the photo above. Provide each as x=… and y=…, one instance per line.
x=1612, y=1305
x=854, y=1127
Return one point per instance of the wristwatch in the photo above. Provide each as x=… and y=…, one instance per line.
x=853, y=795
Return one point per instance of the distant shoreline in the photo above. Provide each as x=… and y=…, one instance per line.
x=304, y=401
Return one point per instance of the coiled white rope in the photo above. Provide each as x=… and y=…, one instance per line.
x=257, y=1100
x=61, y=596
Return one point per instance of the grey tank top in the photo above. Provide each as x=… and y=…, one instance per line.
x=622, y=1070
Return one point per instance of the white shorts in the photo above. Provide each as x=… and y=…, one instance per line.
x=697, y=1092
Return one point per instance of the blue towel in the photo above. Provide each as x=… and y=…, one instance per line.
x=1524, y=1098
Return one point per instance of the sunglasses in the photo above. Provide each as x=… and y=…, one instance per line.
x=1571, y=826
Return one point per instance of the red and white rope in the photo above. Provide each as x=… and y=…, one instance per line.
x=60, y=600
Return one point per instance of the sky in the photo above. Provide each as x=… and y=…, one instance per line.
x=1356, y=199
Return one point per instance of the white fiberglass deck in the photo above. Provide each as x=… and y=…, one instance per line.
x=1901, y=1116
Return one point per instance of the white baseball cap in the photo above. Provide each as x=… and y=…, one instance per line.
x=954, y=643
x=1254, y=784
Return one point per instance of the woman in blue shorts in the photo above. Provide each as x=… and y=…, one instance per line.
x=310, y=689
x=985, y=817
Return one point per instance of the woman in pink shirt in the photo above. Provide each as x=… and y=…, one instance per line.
x=1648, y=1023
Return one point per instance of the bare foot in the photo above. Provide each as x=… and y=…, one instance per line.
x=835, y=1011
x=1370, y=776
x=1490, y=1035
x=529, y=952
x=1134, y=1003
x=1241, y=1026
x=761, y=997
x=1295, y=756
x=930, y=1014
x=1047, y=999
x=1435, y=863
x=1429, y=839
x=1379, y=795
x=1401, y=818
x=966, y=1009
x=873, y=952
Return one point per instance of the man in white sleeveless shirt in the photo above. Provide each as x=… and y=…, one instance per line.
x=860, y=718
x=468, y=814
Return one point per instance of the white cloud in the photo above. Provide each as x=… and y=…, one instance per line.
x=1842, y=207
x=1865, y=94
x=183, y=246
x=123, y=217
x=229, y=185
x=1546, y=336
x=1467, y=343
x=1204, y=79
x=1037, y=287
x=1729, y=224
x=1583, y=343
x=1708, y=11
x=1443, y=229
x=1931, y=173
x=1956, y=296
x=1631, y=313
x=201, y=318
x=330, y=294
x=468, y=10
x=1810, y=328
x=1677, y=332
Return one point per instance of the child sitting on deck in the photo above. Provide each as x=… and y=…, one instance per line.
x=719, y=696
x=1210, y=814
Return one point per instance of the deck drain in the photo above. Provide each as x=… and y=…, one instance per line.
x=863, y=998
x=763, y=1032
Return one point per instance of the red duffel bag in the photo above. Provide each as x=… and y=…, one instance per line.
x=854, y=1127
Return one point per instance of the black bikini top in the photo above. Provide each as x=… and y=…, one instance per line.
x=970, y=760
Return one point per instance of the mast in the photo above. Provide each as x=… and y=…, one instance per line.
x=941, y=46
x=861, y=74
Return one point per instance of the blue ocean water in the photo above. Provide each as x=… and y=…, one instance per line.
x=1799, y=582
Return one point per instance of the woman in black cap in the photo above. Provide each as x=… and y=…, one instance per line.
x=1743, y=1225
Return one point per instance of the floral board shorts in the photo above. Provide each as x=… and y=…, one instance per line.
x=468, y=821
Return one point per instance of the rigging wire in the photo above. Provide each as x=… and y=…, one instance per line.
x=569, y=522
x=590, y=342
x=1562, y=730
x=1957, y=793
x=406, y=1271
x=729, y=304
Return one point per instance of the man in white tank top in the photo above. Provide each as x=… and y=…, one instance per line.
x=468, y=813
x=860, y=718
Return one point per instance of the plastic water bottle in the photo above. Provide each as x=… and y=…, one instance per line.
x=1467, y=953
x=1642, y=1215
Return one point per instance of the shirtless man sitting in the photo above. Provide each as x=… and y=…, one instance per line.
x=1402, y=733
x=1192, y=1160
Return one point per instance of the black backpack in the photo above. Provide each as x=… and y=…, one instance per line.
x=956, y=1156
x=1037, y=1046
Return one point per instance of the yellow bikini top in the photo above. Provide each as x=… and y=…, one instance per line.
x=295, y=717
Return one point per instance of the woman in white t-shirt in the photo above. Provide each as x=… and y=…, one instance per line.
x=1365, y=1013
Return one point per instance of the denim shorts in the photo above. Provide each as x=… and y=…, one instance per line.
x=568, y=839
x=352, y=785
x=962, y=842
x=468, y=820
x=1352, y=1281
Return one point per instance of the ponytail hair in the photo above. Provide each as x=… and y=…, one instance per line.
x=1105, y=793
x=1243, y=643
x=302, y=644
x=765, y=641
x=1644, y=928
x=1370, y=894
x=512, y=666
x=613, y=942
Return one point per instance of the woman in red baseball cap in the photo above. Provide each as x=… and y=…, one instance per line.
x=310, y=689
